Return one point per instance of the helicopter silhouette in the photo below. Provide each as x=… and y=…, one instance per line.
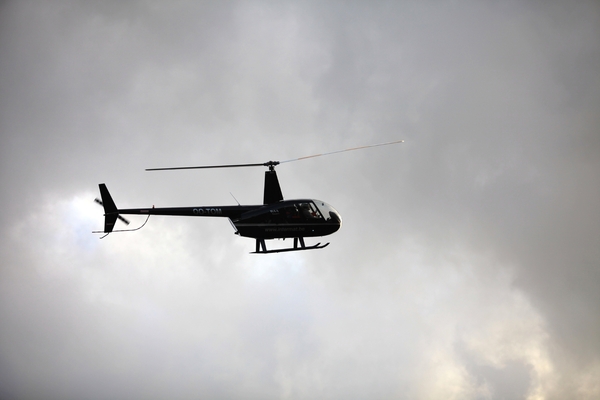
x=276, y=218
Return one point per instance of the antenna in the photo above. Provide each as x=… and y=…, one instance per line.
x=236, y=200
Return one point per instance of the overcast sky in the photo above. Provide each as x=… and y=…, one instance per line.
x=468, y=265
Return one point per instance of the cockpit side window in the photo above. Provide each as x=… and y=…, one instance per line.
x=309, y=212
x=301, y=212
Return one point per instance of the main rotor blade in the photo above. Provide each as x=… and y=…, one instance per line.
x=341, y=151
x=272, y=164
x=216, y=166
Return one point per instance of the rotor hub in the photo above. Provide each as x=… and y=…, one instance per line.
x=271, y=165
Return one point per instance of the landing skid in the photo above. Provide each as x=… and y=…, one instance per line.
x=261, y=247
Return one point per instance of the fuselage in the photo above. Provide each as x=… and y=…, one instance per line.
x=283, y=219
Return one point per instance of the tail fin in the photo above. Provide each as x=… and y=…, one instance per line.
x=111, y=213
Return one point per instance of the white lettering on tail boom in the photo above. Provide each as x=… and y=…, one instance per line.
x=207, y=211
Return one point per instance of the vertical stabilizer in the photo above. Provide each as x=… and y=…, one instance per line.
x=110, y=209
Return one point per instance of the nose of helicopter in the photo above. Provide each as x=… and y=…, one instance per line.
x=335, y=216
x=330, y=214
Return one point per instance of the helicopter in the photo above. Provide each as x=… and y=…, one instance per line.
x=276, y=218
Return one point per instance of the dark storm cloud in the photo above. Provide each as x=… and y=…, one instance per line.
x=467, y=265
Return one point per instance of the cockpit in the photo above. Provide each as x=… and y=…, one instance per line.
x=328, y=212
x=296, y=212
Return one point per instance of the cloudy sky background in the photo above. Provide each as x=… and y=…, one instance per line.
x=468, y=263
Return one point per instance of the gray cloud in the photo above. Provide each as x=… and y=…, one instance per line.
x=467, y=265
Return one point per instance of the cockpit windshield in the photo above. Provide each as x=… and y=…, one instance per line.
x=328, y=212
